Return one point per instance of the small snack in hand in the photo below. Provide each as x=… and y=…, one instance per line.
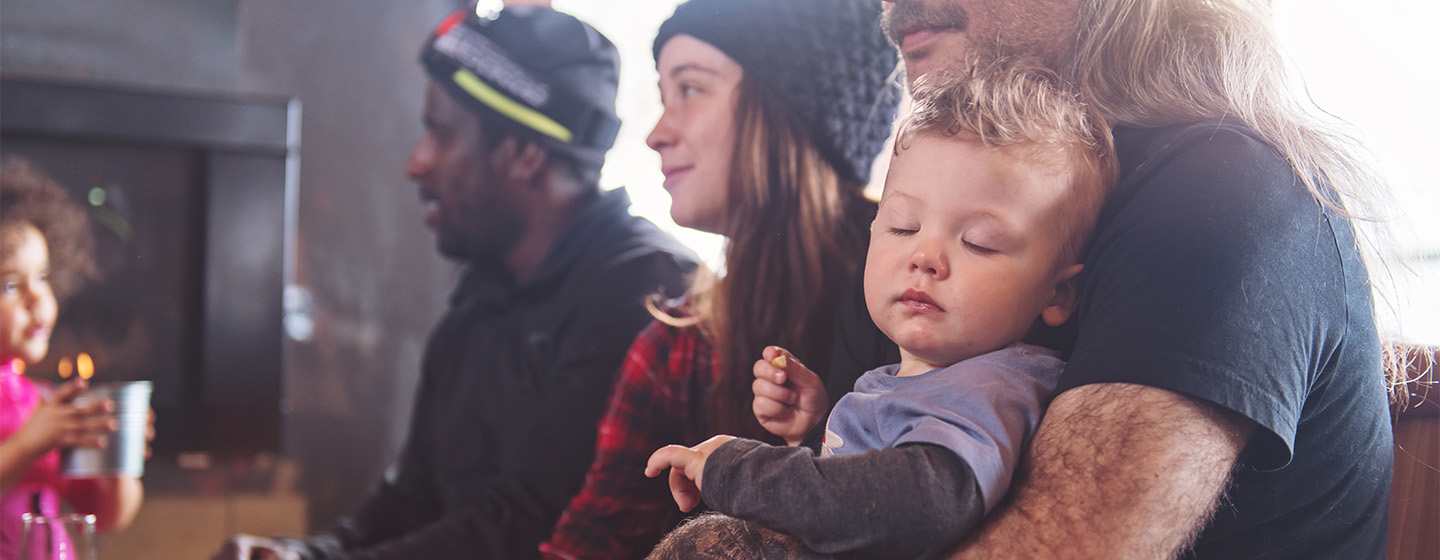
x=779, y=361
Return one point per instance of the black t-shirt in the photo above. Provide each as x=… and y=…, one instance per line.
x=1214, y=273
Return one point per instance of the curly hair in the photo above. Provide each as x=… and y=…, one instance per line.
x=28, y=197
x=712, y=536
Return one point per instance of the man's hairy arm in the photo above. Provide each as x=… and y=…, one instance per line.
x=1115, y=471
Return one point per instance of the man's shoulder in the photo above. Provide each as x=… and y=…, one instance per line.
x=609, y=250
x=1216, y=145
x=1205, y=173
x=1132, y=142
x=615, y=235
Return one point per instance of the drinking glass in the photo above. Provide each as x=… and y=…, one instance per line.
x=65, y=537
x=125, y=454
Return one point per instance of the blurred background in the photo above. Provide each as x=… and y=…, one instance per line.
x=282, y=424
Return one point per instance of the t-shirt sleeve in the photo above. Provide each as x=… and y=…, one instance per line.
x=1213, y=274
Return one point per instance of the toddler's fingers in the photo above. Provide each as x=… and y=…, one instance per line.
x=779, y=357
x=684, y=490
x=766, y=411
x=667, y=457
x=777, y=393
x=767, y=371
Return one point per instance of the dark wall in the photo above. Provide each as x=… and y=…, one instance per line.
x=374, y=283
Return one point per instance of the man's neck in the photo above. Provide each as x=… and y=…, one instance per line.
x=546, y=225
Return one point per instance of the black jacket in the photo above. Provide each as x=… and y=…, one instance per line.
x=514, y=381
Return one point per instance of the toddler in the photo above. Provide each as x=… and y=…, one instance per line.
x=996, y=181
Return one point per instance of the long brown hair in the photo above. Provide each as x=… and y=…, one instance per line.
x=795, y=235
x=1149, y=63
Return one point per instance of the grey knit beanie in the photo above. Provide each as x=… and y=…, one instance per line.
x=825, y=60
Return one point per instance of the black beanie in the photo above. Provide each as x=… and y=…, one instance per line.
x=552, y=76
x=825, y=60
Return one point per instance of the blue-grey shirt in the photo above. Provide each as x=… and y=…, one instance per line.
x=984, y=409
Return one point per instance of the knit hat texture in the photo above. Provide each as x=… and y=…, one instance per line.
x=552, y=76
x=825, y=60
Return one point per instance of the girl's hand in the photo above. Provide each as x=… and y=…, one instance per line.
x=57, y=422
x=790, y=400
x=687, y=468
x=149, y=432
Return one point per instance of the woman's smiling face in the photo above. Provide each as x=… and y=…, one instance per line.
x=695, y=136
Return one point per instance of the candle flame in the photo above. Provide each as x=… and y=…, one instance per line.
x=84, y=366
x=66, y=368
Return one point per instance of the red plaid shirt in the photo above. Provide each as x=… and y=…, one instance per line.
x=657, y=401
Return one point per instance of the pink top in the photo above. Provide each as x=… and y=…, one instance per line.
x=41, y=482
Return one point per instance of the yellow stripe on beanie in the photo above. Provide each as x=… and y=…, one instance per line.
x=510, y=108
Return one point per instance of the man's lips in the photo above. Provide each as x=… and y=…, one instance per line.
x=430, y=203
x=919, y=300
x=915, y=39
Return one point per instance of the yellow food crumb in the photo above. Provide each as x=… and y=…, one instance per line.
x=779, y=361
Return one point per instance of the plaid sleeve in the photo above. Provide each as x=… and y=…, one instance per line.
x=620, y=514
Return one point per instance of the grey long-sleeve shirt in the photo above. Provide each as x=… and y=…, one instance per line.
x=911, y=462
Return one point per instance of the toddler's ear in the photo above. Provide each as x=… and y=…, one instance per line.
x=1065, y=298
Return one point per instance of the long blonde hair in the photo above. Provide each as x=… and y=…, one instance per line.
x=795, y=235
x=1150, y=63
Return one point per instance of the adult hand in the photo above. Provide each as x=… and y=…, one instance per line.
x=58, y=422
x=250, y=547
x=790, y=400
x=687, y=468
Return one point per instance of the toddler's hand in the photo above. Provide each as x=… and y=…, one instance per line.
x=687, y=467
x=57, y=422
x=789, y=398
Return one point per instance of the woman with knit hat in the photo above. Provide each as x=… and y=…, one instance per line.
x=774, y=113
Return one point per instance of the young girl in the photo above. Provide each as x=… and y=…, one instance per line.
x=774, y=113
x=44, y=252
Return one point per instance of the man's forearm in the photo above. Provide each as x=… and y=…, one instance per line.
x=1115, y=471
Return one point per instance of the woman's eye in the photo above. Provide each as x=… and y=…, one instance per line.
x=900, y=231
x=43, y=278
x=687, y=91
x=10, y=287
